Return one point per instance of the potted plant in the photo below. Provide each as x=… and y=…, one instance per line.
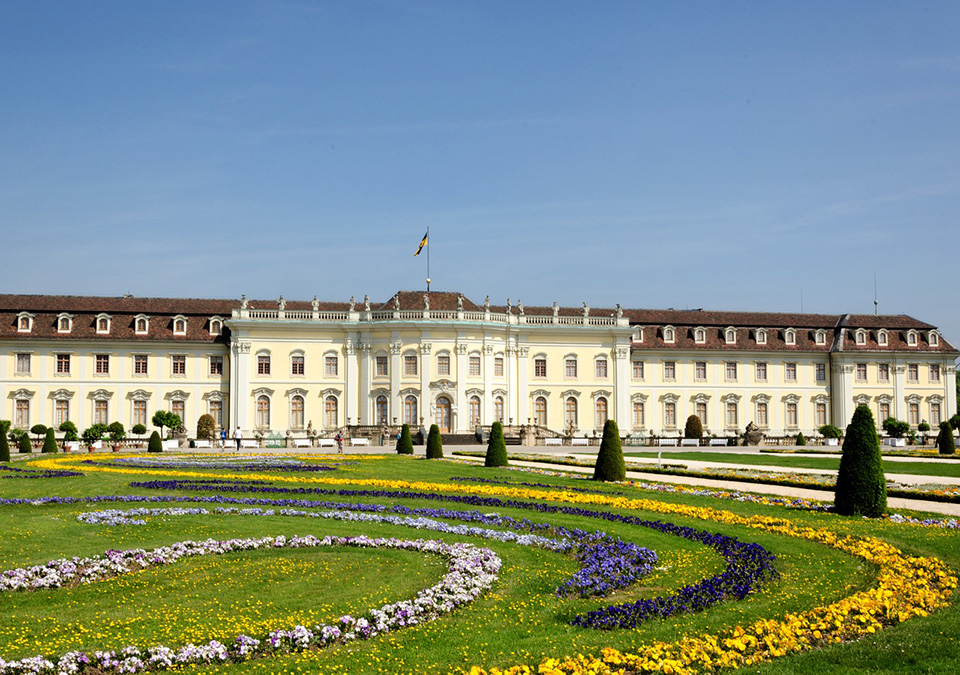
x=70, y=434
x=117, y=434
x=91, y=435
x=139, y=430
x=896, y=429
x=830, y=433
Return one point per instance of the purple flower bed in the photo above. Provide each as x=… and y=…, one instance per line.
x=16, y=472
x=493, y=481
x=268, y=464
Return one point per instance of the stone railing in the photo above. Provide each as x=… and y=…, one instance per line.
x=427, y=314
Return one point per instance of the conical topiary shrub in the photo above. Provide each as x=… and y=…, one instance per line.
x=405, y=444
x=801, y=439
x=610, y=464
x=434, y=443
x=4, y=444
x=25, y=445
x=945, y=442
x=496, y=447
x=861, y=487
x=693, y=428
x=155, y=444
x=50, y=442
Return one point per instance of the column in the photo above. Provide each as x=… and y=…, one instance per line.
x=239, y=383
x=351, y=380
x=523, y=395
x=461, y=400
x=426, y=349
x=621, y=387
x=899, y=402
x=396, y=347
x=486, y=404
x=949, y=376
x=367, y=413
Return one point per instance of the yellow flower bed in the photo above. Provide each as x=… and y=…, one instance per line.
x=907, y=586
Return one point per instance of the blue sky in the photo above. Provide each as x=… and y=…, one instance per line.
x=730, y=155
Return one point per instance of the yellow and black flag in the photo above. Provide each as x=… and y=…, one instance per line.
x=423, y=242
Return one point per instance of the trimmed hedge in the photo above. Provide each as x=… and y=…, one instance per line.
x=496, y=447
x=610, y=465
x=693, y=428
x=801, y=439
x=861, y=487
x=434, y=443
x=155, y=444
x=50, y=442
x=4, y=444
x=25, y=445
x=945, y=442
x=405, y=444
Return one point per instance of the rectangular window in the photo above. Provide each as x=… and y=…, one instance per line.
x=883, y=372
x=498, y=366
x=331, y=366
x=382, y=366
x=702, y=413
x=216, y=412
x=263, y=364
x=23, y=364
x=22, y=412
x=761, y=372
x=102, y=364
x=638, y=370
x=139, y=364
x=178, y=364
x=63, y=364
x=473, y=364
x=669, y=415
x=934, y=372
x=791, y=414
x=100, y=411
x=443, y=364
x=539, y=367
x=602, y=369
x=913, y=373
x=914, y=414
x=669, y=370
x=790, y=371
x=216, y=365
x=821, y=412
x=570, y=368
x=861, y=372
x=731, y=414
x=61, y=411
x=638, y=421
x=297, y=365
x=934, y=415
x=884, y=411
x=762, y=421
x=821, y=372
x=178, y=408
x=700, y=371
x=410, y=365
x=731, y=371
x=140, y=412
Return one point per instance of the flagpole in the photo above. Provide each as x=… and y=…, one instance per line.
x=428, y=258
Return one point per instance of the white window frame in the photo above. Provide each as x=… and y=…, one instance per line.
x=669, y=334
x=136, y=324
x=761, y=336
x=106, y=321
x=176, y=320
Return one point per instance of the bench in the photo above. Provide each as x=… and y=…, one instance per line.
x=579, y=441
x=690, y=441
x=718, y=441
x=244, y=443
x=203, y=444
x=892, y=442
x=552, y=441
x=302, y=443
x=666, y=441
x=71, y=446
x=360, y=441
x=326, y=443
x=170, y=445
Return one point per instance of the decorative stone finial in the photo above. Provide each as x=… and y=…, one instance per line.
x=619, y=311
x=486, y=303
x=586, y=310
x=281, y=303
x=243, y=301
x=366, y=303
x=353, y=303
x=396, y=302
x=519, y=306
x=426, y=301
x=459, y=302
x=315, y=304
x=556, y=309
x=509, y=307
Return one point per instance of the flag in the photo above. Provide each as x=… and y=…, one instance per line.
x=423, y=242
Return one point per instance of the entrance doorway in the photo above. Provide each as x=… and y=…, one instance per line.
x=443, y=414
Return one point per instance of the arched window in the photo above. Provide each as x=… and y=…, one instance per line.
x=540, y=411
x=699, y=336
x=668, y=335
x=330, y=413
x=141, y=326
x=179, y=327
x=103, y=325
x=263, y=411
x=410, y=410
x=570, y=413
x=381, y=410
x=64, y=325
x=498, y=409
x=296, y=412
x=601, y=412
x=474, y=411
x=216, y=327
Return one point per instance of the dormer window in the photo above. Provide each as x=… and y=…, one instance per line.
x=933, y=338
x=24, y=322
x=762, y=336
x=912, y=338
x=141, y=325
x=216, y=325
x=638, y=334
x=64, y=323
x=882, y=339
x=179, y=325
x=103, y=324
x=790, y=336
x=820, y=337
x=669, y=335
x=861, y=337
x=730, y=336
x=699, y=335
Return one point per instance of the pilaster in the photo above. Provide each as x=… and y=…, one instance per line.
x=240, y=383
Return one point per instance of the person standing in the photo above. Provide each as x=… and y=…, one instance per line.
x=238, y=436
x=223, y=439
x=339, y=439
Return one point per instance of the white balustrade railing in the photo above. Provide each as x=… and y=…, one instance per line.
x=419, y=314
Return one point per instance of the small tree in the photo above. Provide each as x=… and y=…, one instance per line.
x=434, y=443
x=861, y=487
x=4, y=445
x=829, y=431
x=93, y=434
x=405, y=444
x=955, y=420
x=38, y=430
x=801, y=439
x=50, y=442
x=155, y=444
x=139, y=430
x=25, y=445
x=945, y=443
x=693, y=428
x=206, y=427
x=895, y=428
x=69, y=430
x=117, y=432
x=610, y=466
x=496, y=447
x=165, y=418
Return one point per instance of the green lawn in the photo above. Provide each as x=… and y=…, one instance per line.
x=519, y=621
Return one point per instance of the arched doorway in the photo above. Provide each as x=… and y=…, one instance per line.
x=443, y=414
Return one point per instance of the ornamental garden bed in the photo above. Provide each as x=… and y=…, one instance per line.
x=314, y=601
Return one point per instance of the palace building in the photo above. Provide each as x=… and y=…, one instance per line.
x=420, y=358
